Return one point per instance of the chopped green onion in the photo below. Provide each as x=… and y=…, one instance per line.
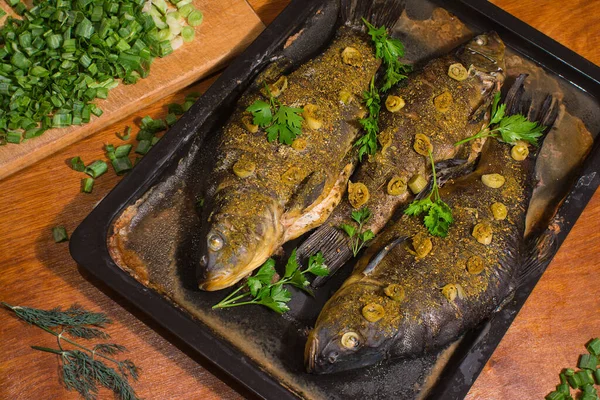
x=586, y=377
x=123, y=151
x=87, y=184
x=185, y=10
x=188, y=104
x=193, y=96
x=556, y=395
x=594, y=347
x=170, y=119
x=195, y=18
x=13, y=137
x=143, y=147
x=96, y=169
x=175, y=108
x=154, y=140
x=77, y=164
x=588, y=361
x=121, y=165
x=597, y=376
x=59, y=233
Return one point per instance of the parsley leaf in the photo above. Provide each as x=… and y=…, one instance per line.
x=358, y=237
x=438, y=216
x=261, y=111
x=367, y=144
x=263, y=291
x=280, y=122
x=508, y=129
x=389, y=50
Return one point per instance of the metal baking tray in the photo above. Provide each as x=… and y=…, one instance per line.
x=269, y=361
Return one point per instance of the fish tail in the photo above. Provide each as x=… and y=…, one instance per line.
x=539, y=252
x=377, y=12
x=333, y=243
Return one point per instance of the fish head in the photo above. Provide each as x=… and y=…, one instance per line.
x=235, y=241
x=346, y=336
x=484, y=53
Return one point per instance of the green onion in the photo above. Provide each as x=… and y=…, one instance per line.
x=121, y=165
x=586, y=377
x=588, y=361
x=597, y=376
x=594, y=347
x=188, y=33
x=556, y=395
x=87, y=184
x=96, y=169
x=77, y=164
x=185, y=10
x=195, y=18
x=13, y=137
x=175, y=108
x=59, y=233
x=123, y=151
x=170, y=119
x=143, y=147
x=188, y=104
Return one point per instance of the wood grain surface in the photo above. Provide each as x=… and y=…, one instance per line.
x=549, y=333
x=237, y=25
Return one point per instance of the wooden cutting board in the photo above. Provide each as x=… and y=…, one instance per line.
x=228, y=27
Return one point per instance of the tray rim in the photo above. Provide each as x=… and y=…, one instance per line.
x=89, y=248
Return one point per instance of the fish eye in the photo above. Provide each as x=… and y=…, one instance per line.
x=215, y=242
x=350, y=340
x=481, y=40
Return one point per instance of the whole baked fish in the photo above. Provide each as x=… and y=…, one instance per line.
x=262, y=194
x=446, y=101
x=412, y=292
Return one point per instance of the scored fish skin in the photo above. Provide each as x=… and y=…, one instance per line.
x=484, y=56
x=293, y=188
x=425, y=319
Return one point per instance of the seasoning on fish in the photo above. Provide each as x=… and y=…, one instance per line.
x=263, y=193
x=452, y=289
x=438, y=111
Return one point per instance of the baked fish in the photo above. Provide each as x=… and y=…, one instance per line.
x=262, y=193
x=446, y=102
x=413, y=293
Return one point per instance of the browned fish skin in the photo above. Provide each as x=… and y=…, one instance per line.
x=291, y=188
x=444, y=126
x=427, y=315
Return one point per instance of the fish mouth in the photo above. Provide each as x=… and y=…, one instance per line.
x=310, y=354
x=218, y=281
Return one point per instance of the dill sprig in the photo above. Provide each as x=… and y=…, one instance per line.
x=82, y=369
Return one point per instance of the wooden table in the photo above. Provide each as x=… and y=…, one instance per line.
x=549, y=333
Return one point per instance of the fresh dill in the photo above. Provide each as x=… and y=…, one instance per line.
x=263, y=289
x=367, y=144
x=389, y=50
x=507, y=129
x=439, y=214
x=358, y=236
x=281, y=122
x=83, y=369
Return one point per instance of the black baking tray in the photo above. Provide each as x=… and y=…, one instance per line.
x=89, y=245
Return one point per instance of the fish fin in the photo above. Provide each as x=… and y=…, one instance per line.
x=514, y=95
x=308, y=191
x=377, y=12
x=333, y=243
x=374, y=262
x=447, y=170
x=538, y=254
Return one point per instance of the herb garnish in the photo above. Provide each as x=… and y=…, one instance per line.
x=359, y=237
x=82, y=369
x=262, y=290
x=279, y=121
x=439, y=214
x=368, y=142
x=508, y=129
x=389, y=50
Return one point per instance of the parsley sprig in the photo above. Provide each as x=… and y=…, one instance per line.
x=439, y=214
x=262, y=290
x=359, y=237
x=508, y=129
x=389, y=50
x=279, y=121
x=83, y=368
x=368, y=142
